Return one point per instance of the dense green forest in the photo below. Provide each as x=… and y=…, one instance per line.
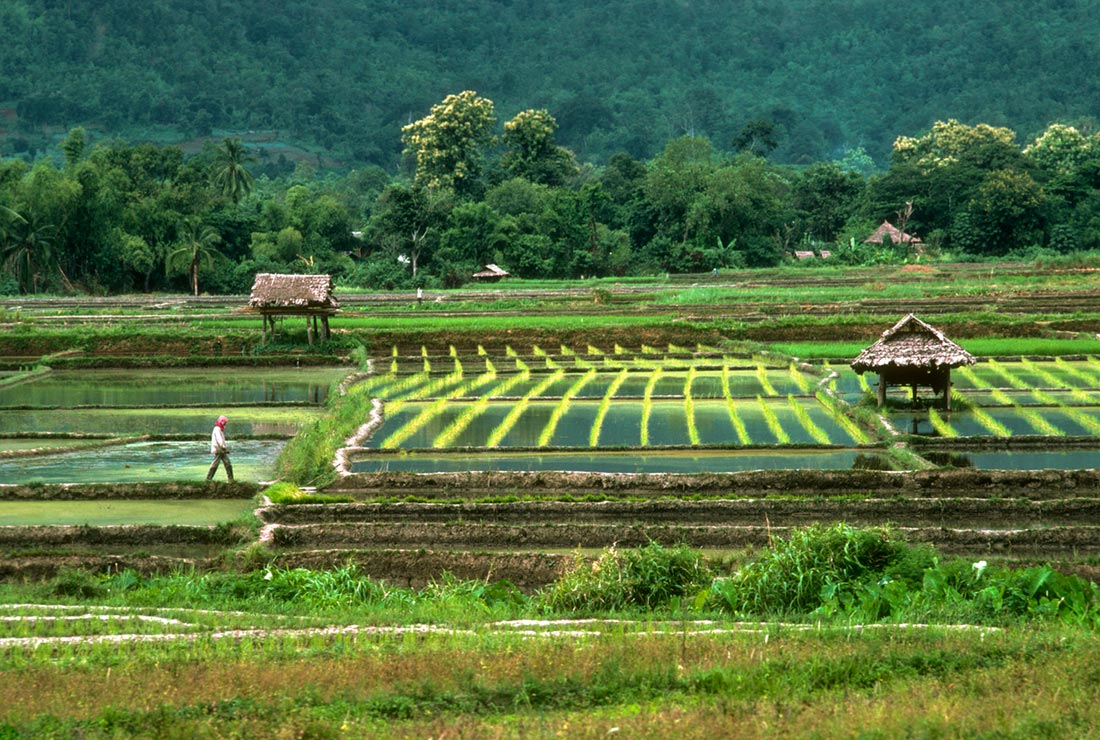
x=114, y=216
x=341, y=77
x=187, y=144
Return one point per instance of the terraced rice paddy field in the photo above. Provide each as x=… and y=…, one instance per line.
x=496, y=452
x=735, y=442
x=507, y=462
x=123, y=426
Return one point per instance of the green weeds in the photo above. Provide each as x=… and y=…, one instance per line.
x=645, y=578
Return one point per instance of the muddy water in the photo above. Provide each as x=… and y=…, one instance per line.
x=253, y=460
x=1029, y=459
x=611, y=462
x=127, y=422
x=177, y=387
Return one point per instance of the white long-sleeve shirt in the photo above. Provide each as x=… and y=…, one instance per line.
x=217, y=441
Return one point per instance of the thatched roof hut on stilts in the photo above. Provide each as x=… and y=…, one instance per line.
x=294, y=295
x=915, y=354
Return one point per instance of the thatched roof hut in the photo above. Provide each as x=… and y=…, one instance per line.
x=888, y=231
x=491, y=274
x=296, y=295
x=913, y=353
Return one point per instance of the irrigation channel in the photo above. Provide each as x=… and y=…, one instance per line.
x=505, y=464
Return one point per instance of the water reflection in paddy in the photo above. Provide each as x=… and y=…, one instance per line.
x=1030, y=459
x=67, y=388
x=128, y=422
x=611, y=462
x=417, y=425
x=253, y=460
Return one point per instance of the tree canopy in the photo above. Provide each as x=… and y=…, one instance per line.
x=797, y=80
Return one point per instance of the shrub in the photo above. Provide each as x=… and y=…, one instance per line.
x=649, y=578
x=75, y=582
x=792, y=575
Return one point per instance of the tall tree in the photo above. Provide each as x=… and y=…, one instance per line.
x=196, y=248
x=407, y=220
x=231, y=174
x=758, y=136
x=447, y=143
x=27, y=248
x=531, y=151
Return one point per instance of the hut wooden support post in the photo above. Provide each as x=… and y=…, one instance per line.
x=295, y=295
x=913, y=354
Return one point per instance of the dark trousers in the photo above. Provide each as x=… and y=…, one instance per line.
x=220, y=458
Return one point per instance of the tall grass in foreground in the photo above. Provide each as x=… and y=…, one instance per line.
x=836, y=572
x=661, y=685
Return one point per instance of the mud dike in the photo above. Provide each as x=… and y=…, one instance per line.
x=527, y=528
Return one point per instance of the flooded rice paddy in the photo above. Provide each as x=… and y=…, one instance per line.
x=244, y=421
x=127, y=404
x=598, y=401
x=653, y=461
x=565, y=401
x=177, y=387
x=253, y=460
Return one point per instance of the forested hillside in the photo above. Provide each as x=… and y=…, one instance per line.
x=341, y=77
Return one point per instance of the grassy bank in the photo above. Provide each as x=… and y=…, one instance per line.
x=813, y=637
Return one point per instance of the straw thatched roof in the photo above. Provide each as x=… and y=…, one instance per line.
x=273, y=292
x=896, y=235
x=912, y=344
x=491, y=272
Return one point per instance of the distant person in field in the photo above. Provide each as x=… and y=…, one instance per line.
x=220, y=450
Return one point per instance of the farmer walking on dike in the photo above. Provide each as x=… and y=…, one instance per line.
x=220, y=450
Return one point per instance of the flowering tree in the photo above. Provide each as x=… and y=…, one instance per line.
x=447, y=142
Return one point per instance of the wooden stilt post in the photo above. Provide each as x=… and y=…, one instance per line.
x=309, y=330
x=881, y=390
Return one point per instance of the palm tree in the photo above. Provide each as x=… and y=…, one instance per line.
x=26, y=247
x=230, y=175
x=195, y=247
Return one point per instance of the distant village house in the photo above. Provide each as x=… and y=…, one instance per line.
x=896, y=235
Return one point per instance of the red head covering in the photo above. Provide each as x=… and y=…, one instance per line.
x=222, y=421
